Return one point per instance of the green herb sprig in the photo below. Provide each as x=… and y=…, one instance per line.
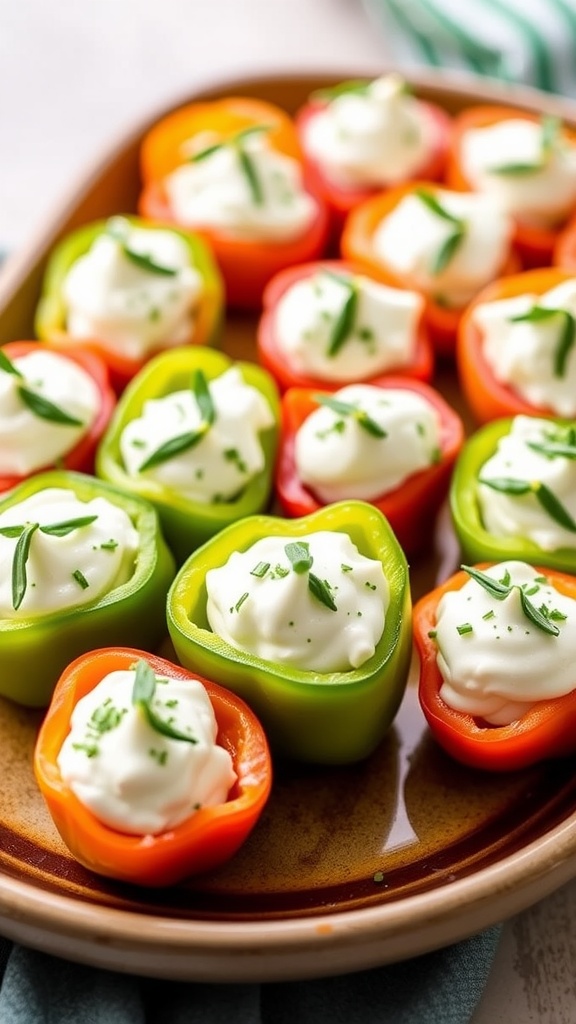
x=24, y=533
x=550, y=130
x=38, y=405
x=348, y=409
x=184, y=442
x=115, y=229
x=246, y=163
x=544, y=496
x=566, y=338
x=452, y=243
x=142, y=697
x=298, y=554
x=500, y=590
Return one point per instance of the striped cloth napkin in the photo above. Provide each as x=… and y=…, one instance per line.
x=527, y=41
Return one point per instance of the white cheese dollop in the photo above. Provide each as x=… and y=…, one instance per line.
x=373, y=137
x=501, y=666
x=522, y=515
x=275, y=615
x=132, y=777
x=524, y=354
x=411, y=237
x=541, y=197
x=382, y=336
x=218, y=191
x=27, y=441
x=224, y=461
x=66, y=571
x=126, y=305
x=338, y=458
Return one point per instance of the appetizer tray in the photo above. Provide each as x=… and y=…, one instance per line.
x=349, y=868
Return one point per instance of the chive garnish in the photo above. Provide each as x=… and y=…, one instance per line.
x=142, y=696
x=449, y=247
x=356, y=85
x=148, y=263
x=566, y=338
x=183, y=442
x=245, y=161
x=298, y=553
x=80, y=578
x=465, y=628
x=550, y=127
x=65, y=527
x=500, y=591
x=19, y=577
x=260, y=570
x=7, y=365
x=45, y=409
x=321, y=591
x=241, y=600
x=553, y=449
x=344, y=323
x=348, y=409
x=544, y=496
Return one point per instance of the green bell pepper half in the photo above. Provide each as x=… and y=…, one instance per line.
x=187, y=524
x=51, y=313
x=477, y=544
x=327, y=718
x=36, y=649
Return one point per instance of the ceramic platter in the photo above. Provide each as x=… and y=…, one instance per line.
x=348, y=868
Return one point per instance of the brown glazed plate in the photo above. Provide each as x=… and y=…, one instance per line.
x=348, y=868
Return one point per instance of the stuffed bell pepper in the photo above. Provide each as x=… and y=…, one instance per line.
x=497, y=646
x=55, y=404
x=326, y=324
x=231, y=170
x=150, y=773
x=82, y=564
x=361, y=137
x=513, y=492
x=393, y=445
x=129, y=289
x=516, y=352
x=308, y=620
x=527, y=163
x=196, y=435
x=445, y=244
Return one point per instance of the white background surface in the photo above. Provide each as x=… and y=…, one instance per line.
x=74, y=75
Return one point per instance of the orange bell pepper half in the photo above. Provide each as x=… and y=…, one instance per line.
x=488, y=398
x=546, y=730
x=81, y=456
x=411, y=507
x=270, y=355
x=164, y=146
x=247, y=265
x=357, y=246
x=535, y=245
x=200, y=843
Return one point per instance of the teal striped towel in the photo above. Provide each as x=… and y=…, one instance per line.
x=527, y=41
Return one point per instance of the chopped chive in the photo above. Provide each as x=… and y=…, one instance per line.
x=260, y=570
x=147, y=262
x=489, y=614
x=566, y=338
x=449, y=247
x=465, y=628
x=432, y=634
x=357, y=86
x=348, y=409
x=346, y=568
x=249, y=171
x=241, y=600
x=344, y=323
x=80, y=578
x=109, y=545
x=142, y=695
